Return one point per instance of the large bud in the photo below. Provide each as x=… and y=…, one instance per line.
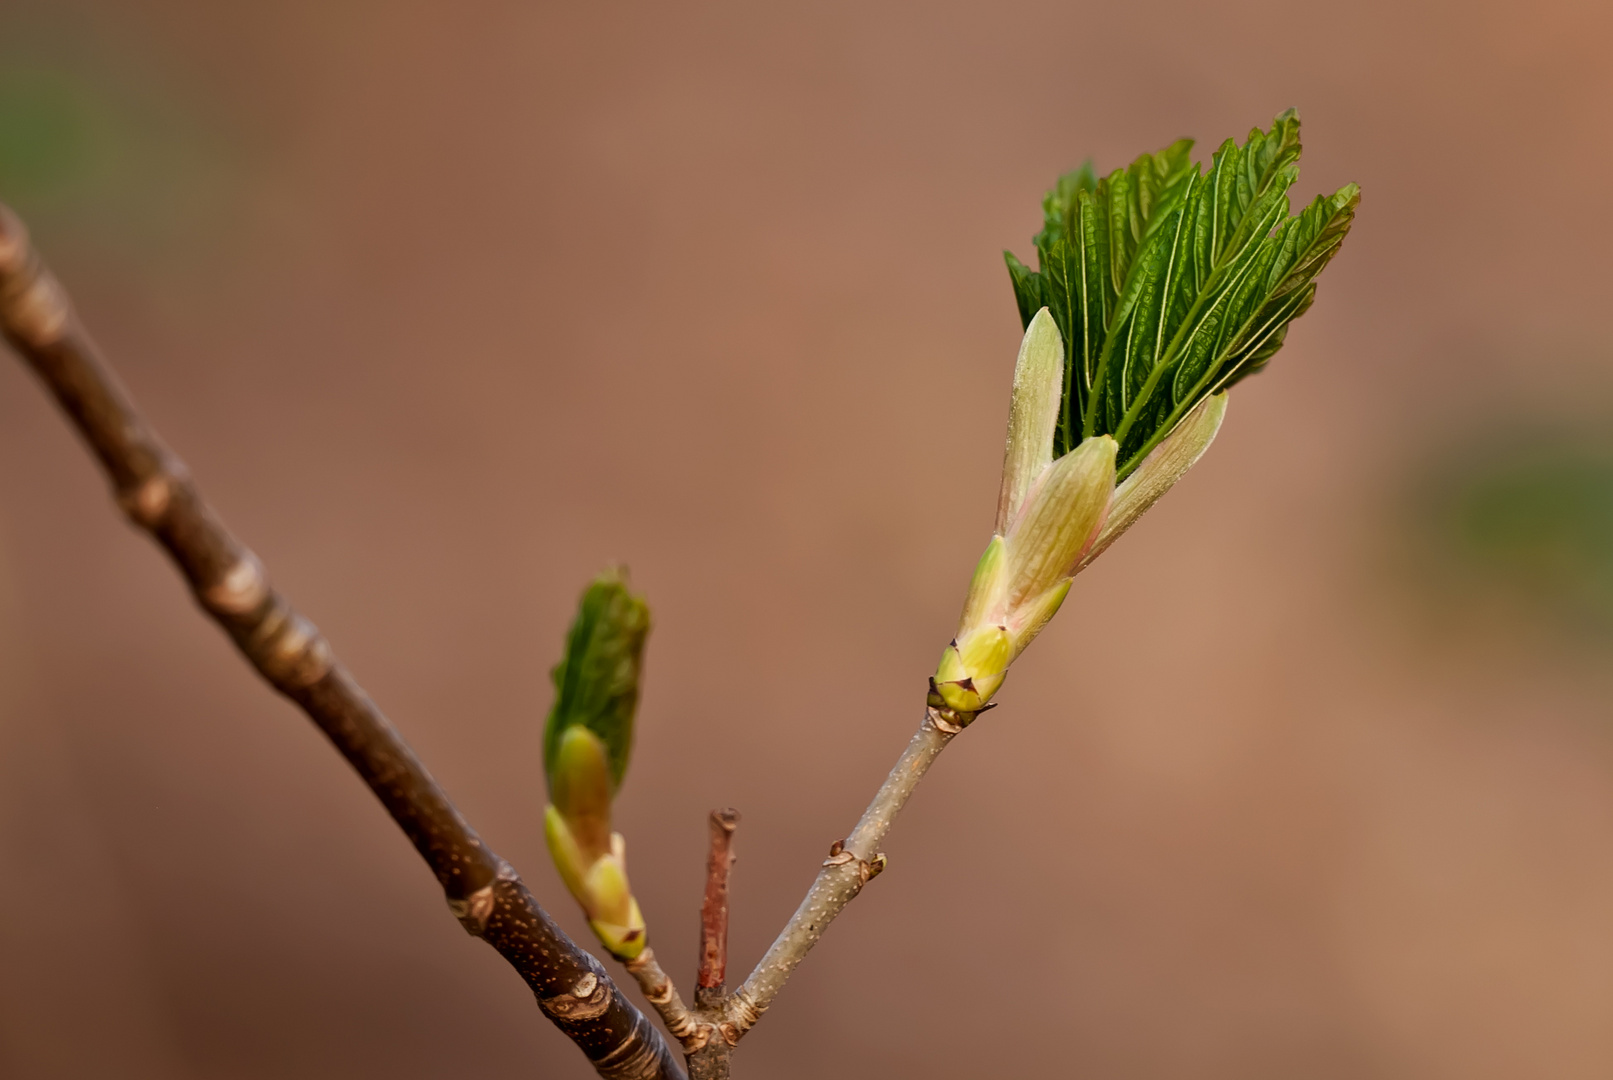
x=1053, y=519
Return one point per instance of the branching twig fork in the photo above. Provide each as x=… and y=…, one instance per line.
x=154, y=488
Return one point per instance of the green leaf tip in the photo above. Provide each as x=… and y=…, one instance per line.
x=1170, y=282
x=597, y=680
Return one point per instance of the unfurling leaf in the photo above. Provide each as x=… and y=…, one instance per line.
x=1157, y=288
x=1170, y=284
x=585, y=750
x=597, y=680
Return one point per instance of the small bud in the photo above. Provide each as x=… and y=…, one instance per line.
x=591, y=859
x=586, y=744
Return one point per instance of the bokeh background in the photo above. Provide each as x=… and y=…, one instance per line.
x=449, y=305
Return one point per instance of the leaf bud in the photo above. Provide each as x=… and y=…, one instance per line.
x=590, y=857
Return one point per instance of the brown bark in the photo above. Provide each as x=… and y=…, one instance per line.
x=712, y=1061
x=661, y=992
x=155, y=490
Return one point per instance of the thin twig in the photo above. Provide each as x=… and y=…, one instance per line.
x=154, y=488
x=714, y=910
x=660, y=992
x=851, y=864
x=710, y=1061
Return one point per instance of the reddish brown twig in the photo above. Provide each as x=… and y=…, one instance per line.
x=707, y=1036
x=154, y=488
x=714, y=910
x=709, y=1055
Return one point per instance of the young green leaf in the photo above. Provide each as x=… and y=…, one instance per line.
x=1027, y=287
x=597, y=681
x=1170, y=284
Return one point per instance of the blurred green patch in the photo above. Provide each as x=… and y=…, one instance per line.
x=47, y=139
x=1528, y=520
x=111, y=156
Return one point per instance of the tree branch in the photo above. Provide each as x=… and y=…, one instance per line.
x=851, y=864
x=154, y=488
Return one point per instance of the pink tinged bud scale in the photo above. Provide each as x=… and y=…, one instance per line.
x=1060, y=519
x=1023, y=577
x=1032, y=414
x=1165, y=464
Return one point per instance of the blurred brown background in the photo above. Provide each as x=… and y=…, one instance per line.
x=448, y=305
